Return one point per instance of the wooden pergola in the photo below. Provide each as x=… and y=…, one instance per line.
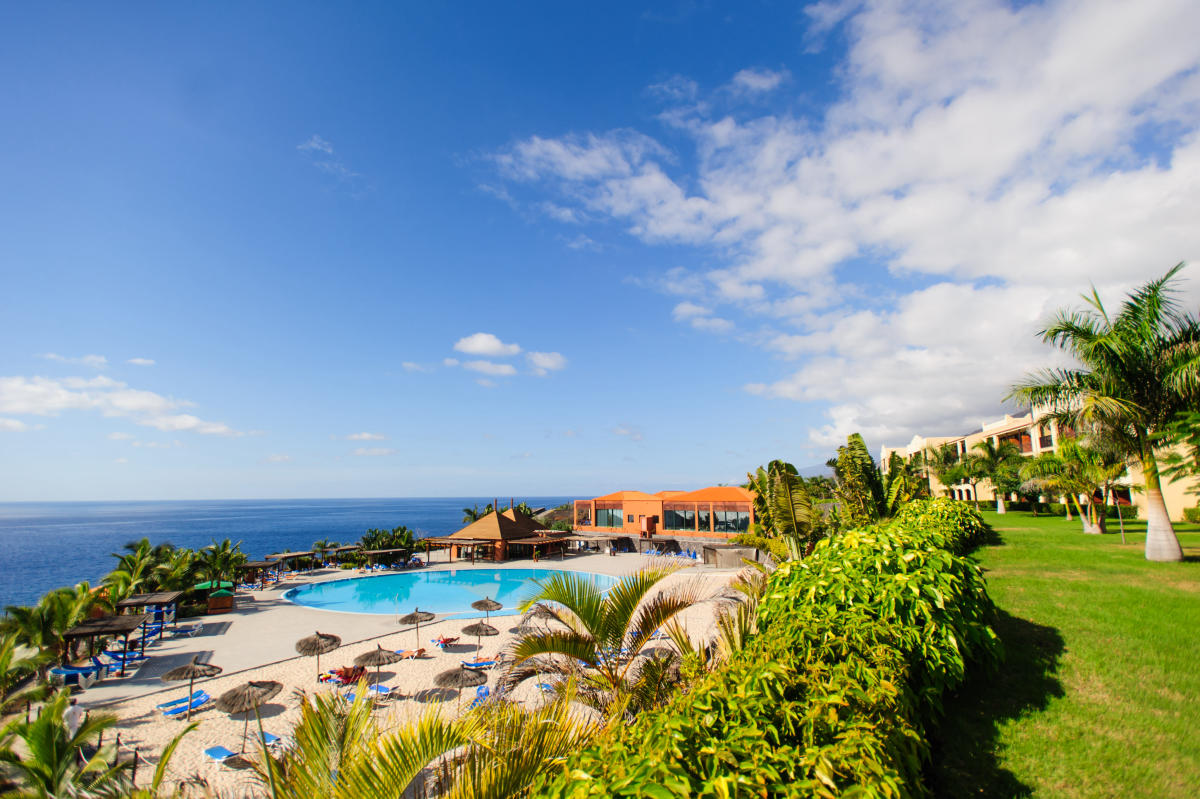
x=283, y=557
x=158, y=600
x=371, y=553
x=260, y=566
x=536, y=541
x=108, y=625
x=449, y=542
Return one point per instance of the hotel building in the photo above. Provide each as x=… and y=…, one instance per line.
x=718, y=512
x=1032, y=438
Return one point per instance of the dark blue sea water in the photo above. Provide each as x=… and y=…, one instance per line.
x=51, y=544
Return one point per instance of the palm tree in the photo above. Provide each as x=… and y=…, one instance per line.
x=16, y=663
x=220, y=560
x=999, y=462
x=783, y=507
x=860, y=491
x=176, y=571
x=599, y=637
x=50, y=766
x=1077, y=470
x=1138, y=370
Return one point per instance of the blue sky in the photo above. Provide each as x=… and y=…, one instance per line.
x=475, y=250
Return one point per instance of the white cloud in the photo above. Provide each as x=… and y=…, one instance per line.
x=157, y=444
x=316, y=144
x=94, y=361
x=700, y=317
x=450, y=362
x=373, y=452
x=43, y=396
x=545, y=362
x=120, y=436
x=12, y=426
x=277, y=458
x=120, y=460
x=141, y=361
x=755, y=81
x=366, y=437
x=483, y=381
x=491, y=368
x=627, y=431
x=982, y=164
x=410, y=366
x=485, y=344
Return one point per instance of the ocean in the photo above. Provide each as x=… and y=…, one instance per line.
x=45, y=545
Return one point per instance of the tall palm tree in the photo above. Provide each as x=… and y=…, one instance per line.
x=999, y=462
x=783, y=506
x=1076, y=470
x=219, y=560
x=1138, y=369
x=599, y=637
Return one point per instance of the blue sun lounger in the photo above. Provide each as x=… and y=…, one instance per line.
x=479, y=664
x=181, y=700
x=219, y=754
x=482, y=693
x=184, y=707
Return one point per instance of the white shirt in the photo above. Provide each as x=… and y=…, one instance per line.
x=73, y=717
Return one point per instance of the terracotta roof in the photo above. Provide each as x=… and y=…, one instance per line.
x=716, y=494
x=500, y=526
x=624, y=495
x=668, y=494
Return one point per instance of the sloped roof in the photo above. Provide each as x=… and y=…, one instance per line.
x=620, y=496
x=668, y=494
x=716, y=494
x=500, y=526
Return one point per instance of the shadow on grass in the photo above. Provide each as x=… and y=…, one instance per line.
x=965, y=761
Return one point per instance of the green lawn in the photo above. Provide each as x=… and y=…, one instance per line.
x=1099, y=694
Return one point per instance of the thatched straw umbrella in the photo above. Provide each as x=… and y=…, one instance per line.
x=416, y=617
x=318, y=645
x=376, y=657
x=487, y=605
x=459, y=679
x=479, y=629
x=189, y=672
x=247, y=697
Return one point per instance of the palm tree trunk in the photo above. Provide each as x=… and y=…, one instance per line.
x=1161, y=542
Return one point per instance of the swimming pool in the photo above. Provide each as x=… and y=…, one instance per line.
x=444, y=592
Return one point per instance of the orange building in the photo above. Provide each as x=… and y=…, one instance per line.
x=714, y=512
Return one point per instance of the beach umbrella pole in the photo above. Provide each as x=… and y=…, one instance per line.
x=191, y=683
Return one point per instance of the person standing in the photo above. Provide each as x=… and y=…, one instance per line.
x=74, y=717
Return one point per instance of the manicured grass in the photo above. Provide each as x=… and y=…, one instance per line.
x=1099, y=694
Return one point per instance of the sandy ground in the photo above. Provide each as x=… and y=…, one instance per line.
x=264, y=629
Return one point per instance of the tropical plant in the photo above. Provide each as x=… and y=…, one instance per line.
x=1076, y=470
x=16, y=664
x=48, y=762
x=1000, y=463
x=42, y=627
x=860, y=492
x=219, y=560
x=320, y=548
x=903, y=482
x=176, y=571
x=1183, y=461
x=783, y=508
x=598, y=636
x=1138, y=369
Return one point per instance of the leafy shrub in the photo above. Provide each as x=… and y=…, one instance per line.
x=1192, y=515
x=834, y=696
x=775, y=546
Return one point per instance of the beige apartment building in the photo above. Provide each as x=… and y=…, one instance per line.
x=1032, y=438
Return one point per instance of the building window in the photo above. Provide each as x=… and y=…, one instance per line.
x=732, y=521
x=608, y=517
x=705, y=522
x=629, y=518
x=679, y=519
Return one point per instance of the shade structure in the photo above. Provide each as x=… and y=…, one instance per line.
x=247, y=697
x=459, y=679
x=416, y=617
x=208, y=585
x=318, y=645
x=189, y=672
x=376, y=657
x=479, y=629
x=487, y=605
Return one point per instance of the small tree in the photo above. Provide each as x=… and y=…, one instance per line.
x=999, y=464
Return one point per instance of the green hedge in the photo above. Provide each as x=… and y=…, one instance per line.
x=1191, y=515
x=835, y=695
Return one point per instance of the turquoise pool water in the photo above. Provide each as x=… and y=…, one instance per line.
x=446, y=593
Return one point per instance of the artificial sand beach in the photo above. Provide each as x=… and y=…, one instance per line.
x=257, y=642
